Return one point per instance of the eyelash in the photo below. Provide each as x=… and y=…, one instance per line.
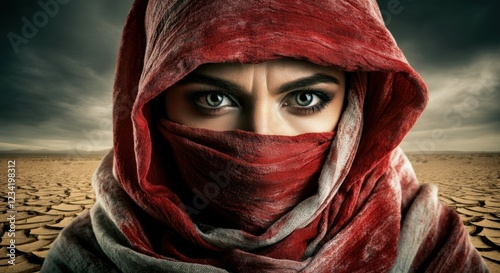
x=309, y=110
x=195, y=97
x=325, y=98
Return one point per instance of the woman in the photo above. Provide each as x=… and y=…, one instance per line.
x=262, y=136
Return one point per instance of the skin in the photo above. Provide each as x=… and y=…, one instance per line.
x=278, y=97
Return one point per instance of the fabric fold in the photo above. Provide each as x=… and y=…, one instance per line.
x=244, y=180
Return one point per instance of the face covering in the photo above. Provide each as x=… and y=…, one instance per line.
x=242, y=179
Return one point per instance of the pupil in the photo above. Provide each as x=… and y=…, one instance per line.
x=214, y=100
x=304, y=99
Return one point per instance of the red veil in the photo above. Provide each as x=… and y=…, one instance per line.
x=368, y=212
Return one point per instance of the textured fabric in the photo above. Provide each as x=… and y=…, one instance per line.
x=367, y=212
x=258, y=178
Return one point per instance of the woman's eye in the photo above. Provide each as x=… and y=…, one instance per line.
x=307, y=102
x=303, y=99
x=214, y=100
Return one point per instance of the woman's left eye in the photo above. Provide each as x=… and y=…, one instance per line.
x=305, y=99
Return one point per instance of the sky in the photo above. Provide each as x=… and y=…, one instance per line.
x=58, y=63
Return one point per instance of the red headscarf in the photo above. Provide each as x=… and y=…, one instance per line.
x=366, y=212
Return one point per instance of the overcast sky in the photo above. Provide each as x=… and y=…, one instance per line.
x=56, y=79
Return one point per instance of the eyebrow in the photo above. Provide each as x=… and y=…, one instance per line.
x=213, y=81
x=234, y=88
x=308, y=81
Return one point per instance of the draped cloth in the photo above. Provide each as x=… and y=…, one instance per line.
x=366, y=212
x=245, y=180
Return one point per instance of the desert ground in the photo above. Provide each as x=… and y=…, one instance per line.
x=51, y=190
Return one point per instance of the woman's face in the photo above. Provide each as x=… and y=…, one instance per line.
x=279, y=97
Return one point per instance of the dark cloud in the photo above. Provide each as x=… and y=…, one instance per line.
x=55, y=86
x=463, y=107
x=454, y=46
x=57, y=70
x=444, y=32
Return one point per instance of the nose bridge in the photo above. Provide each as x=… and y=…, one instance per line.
x=259, y=113
x=261, y=116
x=260, y=119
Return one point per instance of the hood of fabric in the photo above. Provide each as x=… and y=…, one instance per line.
x=165, y=40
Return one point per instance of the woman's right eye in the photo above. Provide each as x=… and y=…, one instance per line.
x=214, y=100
